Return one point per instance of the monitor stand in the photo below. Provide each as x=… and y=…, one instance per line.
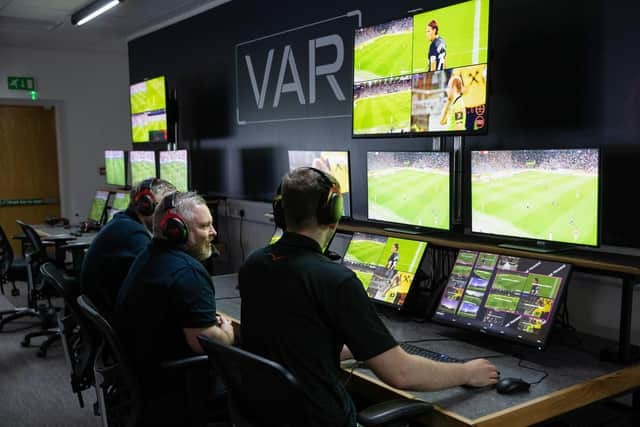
x=538, y=246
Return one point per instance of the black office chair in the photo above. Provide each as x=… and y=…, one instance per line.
x=77, y=341
x=120, y=396
x=263, y=393
x=11, y=269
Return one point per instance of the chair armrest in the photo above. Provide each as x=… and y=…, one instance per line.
x=393, y=411
x=187, y=362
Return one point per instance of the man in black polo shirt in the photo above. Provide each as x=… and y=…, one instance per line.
x=306, y=312
x=115, y=247
x=168, y=299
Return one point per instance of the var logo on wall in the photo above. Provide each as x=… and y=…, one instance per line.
x=297, y=74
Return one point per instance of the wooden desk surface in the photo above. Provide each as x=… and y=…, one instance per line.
x=576, y=376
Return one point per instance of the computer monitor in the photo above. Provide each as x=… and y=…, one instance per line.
x=143, y=165
x=120, y=202
x=115, y=164
x=174, y=168
x=546, y=195
x=98, y=206
x=335, y=163
x=409, y=188
x=277, y=235
x=385, y=265
x=511, y=297
x=149, y=111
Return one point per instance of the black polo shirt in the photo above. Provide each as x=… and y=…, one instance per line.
x=165, y=291
x=299, y=309
x=109, y=257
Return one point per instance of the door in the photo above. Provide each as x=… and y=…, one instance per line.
x=28, y=167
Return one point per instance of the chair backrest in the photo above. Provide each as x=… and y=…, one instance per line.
x=37, y=250
x=119, y=392
x=6, y=254
x=262, y=392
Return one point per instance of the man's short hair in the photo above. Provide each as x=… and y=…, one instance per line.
x=304, y=190
x=456, y=82
x=158, y=187
x=184, y=204
x=433, y=24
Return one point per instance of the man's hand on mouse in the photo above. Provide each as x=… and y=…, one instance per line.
x=480, y=373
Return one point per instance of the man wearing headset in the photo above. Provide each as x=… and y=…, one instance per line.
x=115, y=247
x=168, y=298
x=307, y=313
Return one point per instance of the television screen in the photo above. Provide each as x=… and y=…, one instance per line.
x=511, y=297
x=120, y=202
x=425, y=74
x=335, y=163
x=143, y=165
x=115, y=167
x=548, y=195
x=409, y=188
x=174, y=168
x=98, y=205
x=149, y=110
x=386, y=266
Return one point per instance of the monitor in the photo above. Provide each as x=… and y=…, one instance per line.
x=511, y=297
x=98, y=206
x=143, y=165
x=115, y=167
x=546, y=195
x=423, y=74
x=174, y=168
x=149, y=111
x=335, y=163
x=410, y=188
x=385, y=265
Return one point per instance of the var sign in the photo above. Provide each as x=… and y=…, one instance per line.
x=302, y=73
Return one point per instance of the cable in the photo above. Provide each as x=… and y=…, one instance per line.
x=546, y=374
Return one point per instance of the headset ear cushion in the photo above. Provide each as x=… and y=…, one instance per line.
x=174, y=228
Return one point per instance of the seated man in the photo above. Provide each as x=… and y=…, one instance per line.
x=168, y=298
x=306, y=312
x=115, y=247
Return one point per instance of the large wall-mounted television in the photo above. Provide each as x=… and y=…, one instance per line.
x=149, y=121
x=143, y=165
x=174, y=168
x=335, y=163
x=409, y=188
x=543, y=195
x=425, y=74
x=386, y=266
x=510, y=297
x=115, y=163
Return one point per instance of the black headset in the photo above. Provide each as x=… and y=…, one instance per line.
x=145, y=201
x=173, y=226
x=329, y=211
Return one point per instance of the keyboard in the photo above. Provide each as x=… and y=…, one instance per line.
x=433, y=355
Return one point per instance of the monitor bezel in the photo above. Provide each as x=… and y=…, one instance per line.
x=508, y=337
x=159, y=165
x=533, y=240
x=170, y=137
x=439, y=133
x=344, y=217
x=413, y=227
x=413, y=280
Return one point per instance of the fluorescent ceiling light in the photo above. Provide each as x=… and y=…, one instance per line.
x=92, y=10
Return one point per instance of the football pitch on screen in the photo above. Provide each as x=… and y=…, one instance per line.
x=382, y=113
x=96, y=209
x=538, y=204
x=364, y=252
x=175, y=173
x=142, y=171
x=410, y=196
x=502, y=302
x=115, y=170
x=384, y=56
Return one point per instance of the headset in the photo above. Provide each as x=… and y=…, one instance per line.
x=329, y=211
x=145, y=201
x=173, y=226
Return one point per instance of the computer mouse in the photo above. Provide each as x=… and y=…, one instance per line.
x=512, y=385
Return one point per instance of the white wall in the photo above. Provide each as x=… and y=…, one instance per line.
x=91, y=97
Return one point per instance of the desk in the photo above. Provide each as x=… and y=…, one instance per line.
x=576, y=377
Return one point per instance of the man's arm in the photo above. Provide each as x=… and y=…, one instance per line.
x=223, y=331
x=409, y=372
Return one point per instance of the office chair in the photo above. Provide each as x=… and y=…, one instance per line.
x=120, y=397
x=263, y=393
x=78, y=343
x=11, y=269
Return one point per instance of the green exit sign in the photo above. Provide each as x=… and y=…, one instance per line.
x=21, y=83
